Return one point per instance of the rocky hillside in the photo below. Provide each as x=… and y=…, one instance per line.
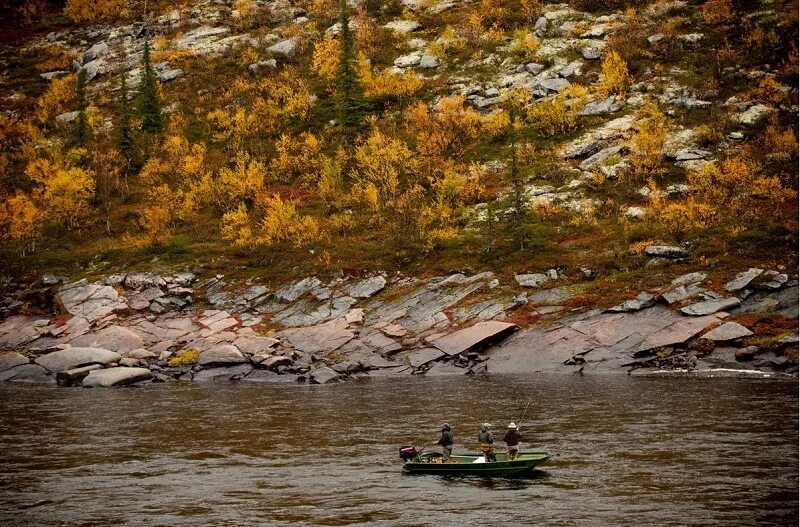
x=573, y=157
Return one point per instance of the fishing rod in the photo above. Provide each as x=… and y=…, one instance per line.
x=525, y=412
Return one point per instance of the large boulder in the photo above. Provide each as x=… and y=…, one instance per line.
x=26, y=373
x=89, y=301
x=708, y=307
x=403, y=26
x=75, y=376
x=743, y=279
x=323, y=375
x=141, y=281
x=223, y=373
x=286, y=47
x=116, y=338
x=12, y=359
x=666, y=251
x=67, y=359
x=116, y=377
x=222, y=355
x=531, y=280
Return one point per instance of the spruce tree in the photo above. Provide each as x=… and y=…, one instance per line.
x=81, y=126
x=149, y=101
x=125, y=140
x=349, y=98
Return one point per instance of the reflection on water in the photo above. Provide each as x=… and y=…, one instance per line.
x=634, y=451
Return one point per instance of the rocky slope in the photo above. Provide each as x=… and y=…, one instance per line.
x=139, y=326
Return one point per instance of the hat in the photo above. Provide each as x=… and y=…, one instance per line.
x=445, y=425
x=513, y=425
x=487, y=425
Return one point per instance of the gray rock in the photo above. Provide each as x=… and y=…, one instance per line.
x=12, y=359
x=727, y=331
x=605, y=106
x=50, y=75
x=92, y=69
x=293, y=291
x=666, y=251
x=115, y=338
x=531, y=280
x=591, y=53
x=75, y=376
x=655, y=39
x=600, y=158
x=406, y=61
x=690, y=278
x=67, y=117
x=708, y=307
x=641, y=301
x=203, y=39
x=548, y=86
x=223, y=374
x=743, y=279
x=680, y=293
x=101, y=48
x=424, y=356
x=635, y=213
x=475, y=337
x=286, y=47
x=403, y=26
x=428, y=62
x=269, y=377
x=116, y=377
x=325, y=337
x=30, y=373
x=70, y=358
x=754, y=114
x=540, y=26
x=141, y=281
x=50, y=280
x=367, y=288
x=323, y=375
x=690, y=154
x=221, y=355
x=256, y=67
x=441, y=369
x=273, y=363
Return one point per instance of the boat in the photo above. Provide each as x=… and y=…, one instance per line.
x=471, y=464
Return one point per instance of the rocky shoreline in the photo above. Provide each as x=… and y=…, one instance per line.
x=145, y=327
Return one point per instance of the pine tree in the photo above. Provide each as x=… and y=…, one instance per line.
x=81, y=126
x=149, y=101
x=125, y=140
x=349, y=97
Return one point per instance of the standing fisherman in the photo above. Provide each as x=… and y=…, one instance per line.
x=446, y=442
x=486, y=442
x=512, y=439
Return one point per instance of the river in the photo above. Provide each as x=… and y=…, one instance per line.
x=626, y=450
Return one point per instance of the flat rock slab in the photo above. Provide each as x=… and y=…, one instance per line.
x=367, y=288
x=26, y=373
x=116, y=338
x=680, y=293
x=89, y=301
x=223, y=374
x=325, y=337
x=531, y=280
x=224, y=354
x=12, y=359
x=270, y=377
x=474, y=337
x=727, y=331
x=323, y=375
x=708, y=307
x=666, y=251
x=116, y=377
x=690, y=278
x=441, y=369
x=641, y=301
x=67, y=359
x=743, y=279
x=424, y=356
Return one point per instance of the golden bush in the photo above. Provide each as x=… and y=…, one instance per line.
x=185, y=357
x=718, y=12
x=647, y=143
x=614, y=76
x=93, y=10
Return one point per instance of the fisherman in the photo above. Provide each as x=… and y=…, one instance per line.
x=512, y=439
x=446, y=442
x=486, y=442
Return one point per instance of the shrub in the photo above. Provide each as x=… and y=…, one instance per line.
x=92, y=10
x=614, y=76
x=647, y=143
x=185, y=358
x=718, y=12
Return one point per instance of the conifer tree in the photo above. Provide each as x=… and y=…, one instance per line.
x=149, y=101
x=349, y=102
x=125, y=140
x=81, y=126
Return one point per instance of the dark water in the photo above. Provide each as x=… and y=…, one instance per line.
x=628, y=451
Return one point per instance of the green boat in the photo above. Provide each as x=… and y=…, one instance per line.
x=474, y=464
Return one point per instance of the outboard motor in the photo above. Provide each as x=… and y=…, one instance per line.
x=408, y=452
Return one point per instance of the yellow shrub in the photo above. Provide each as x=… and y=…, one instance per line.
x=235, y=227
x=91, y=10
x=282, y=222
x=614, y=76
x=524, y=44
x=385, y=84
x=56, y=99
x=21, y=220
x=325, y=59
x=497, y=124
x=299, y=158
x=718, y=12
x=647, y=142
x=558, y=114
x=185, y=357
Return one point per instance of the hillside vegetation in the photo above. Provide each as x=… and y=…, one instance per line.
x=422, y=136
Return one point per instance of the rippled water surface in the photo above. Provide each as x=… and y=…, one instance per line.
x=627, y=451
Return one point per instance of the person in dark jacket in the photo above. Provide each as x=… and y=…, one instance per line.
x=486, y=442
x=446, y=442
x=512, y=439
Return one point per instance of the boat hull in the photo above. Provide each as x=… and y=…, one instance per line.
x=524, y=464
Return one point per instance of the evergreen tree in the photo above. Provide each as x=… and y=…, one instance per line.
x=81, y=126
x=125, y=140
x=349, y=98
x=149, y=101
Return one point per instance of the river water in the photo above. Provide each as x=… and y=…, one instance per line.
x=627, y=451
